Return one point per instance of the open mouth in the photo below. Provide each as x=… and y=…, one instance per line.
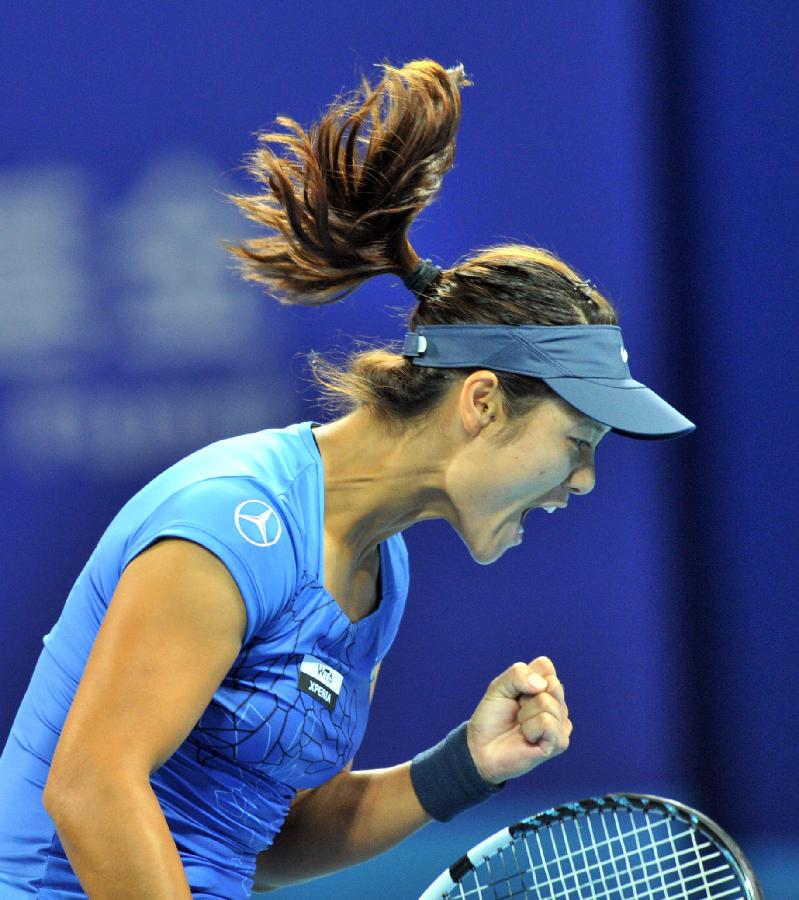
x=547, y=507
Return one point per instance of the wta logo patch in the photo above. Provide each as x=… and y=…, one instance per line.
x=321, y=681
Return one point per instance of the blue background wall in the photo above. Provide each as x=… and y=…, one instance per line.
x=652, y=146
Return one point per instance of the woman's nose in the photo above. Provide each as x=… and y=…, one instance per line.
x=582, y=479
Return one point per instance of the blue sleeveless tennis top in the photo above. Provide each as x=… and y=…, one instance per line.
x=289, y=714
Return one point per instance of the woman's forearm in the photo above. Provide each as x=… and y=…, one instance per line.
x=354, y=816
x=118, y=842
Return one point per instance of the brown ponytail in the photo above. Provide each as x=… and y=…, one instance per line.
x=341, y=209
x=343, y=204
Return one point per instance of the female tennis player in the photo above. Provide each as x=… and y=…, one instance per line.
x=191, y=722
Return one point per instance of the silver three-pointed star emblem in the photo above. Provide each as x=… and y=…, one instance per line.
x=258, y=523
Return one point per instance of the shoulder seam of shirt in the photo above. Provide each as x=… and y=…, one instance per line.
x=251, y=477
x=247, y=477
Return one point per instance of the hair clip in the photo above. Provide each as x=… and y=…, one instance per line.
x=586, y=288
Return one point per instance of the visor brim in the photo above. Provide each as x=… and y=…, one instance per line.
x=626, y=406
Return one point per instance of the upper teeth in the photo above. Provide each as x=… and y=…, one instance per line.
x=549, y=509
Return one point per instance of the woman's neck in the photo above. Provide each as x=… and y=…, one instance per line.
x=378, y=482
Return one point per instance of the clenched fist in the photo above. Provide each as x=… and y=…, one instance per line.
x=521, y=721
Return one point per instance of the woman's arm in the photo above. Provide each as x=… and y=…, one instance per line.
x=352, y=817
x=171, y=632
x=117, y=840
x=521, y=722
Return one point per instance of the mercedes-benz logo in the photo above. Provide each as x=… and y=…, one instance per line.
x=258, y=523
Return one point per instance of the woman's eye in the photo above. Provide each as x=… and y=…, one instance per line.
x=581, y=445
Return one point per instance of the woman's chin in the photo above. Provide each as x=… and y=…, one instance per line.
x=486, y=552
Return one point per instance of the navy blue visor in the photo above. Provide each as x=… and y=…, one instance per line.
x=585, y=365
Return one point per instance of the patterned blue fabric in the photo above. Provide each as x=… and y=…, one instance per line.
x=257, y=502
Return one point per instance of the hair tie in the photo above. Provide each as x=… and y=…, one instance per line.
x=420, y=279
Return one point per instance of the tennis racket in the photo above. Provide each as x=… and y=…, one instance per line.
x=620, y=846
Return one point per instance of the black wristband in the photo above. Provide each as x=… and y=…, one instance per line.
x=446, y=779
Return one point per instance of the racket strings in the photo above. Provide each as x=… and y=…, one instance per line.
x=606, y=855
x=630, y=879
x=625, y=867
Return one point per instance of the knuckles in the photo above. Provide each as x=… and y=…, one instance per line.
x=542, y=703
x=549, y=730
x=549, y=721
x=552, y=706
